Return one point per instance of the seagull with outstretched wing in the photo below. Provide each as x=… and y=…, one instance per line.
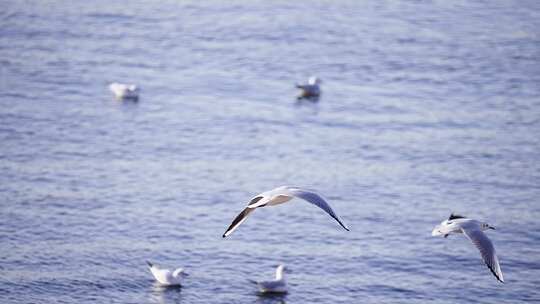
x=474, y=231
x=278, y=196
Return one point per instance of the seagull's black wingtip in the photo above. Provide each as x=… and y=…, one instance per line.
x=149, y=264
x=343, y=225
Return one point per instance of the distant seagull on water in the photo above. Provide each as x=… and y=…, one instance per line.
x=473, y=230
x=279, y=285
x=311, y=89
x=124, y=91
x=167, y=277
x=278, y=196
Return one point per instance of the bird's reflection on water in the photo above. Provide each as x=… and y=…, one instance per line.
x=165, y=294
x=300, y=100
x=271, y=298
x=310, y=104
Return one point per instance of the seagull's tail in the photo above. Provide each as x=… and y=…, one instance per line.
x=149, y=264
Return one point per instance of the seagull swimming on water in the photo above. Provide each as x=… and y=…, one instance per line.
x=473, y=230
x=279, y=285
x=124, y=91
x=165, y=276
x=311, y=89
x=278, y=196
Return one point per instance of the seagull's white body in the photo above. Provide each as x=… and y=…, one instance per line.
x=278, y=196
x=124, y=91
x=473, y=230
x=279, y=285
x=167, y=277
x=311, y=89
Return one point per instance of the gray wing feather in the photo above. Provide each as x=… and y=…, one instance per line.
x=318, y=201
x=484, y=245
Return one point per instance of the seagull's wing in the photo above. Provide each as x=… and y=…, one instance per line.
x=238, y=220
x=481, y=241
x=316, y=200
x=178, y=272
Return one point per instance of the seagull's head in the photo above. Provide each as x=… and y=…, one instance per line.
x=486, y=226
x=313, y=80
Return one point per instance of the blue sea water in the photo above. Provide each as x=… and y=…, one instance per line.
x=428, y=108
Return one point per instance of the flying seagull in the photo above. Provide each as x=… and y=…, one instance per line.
x=278, y=196
x=165, y=276
x=473, y=230
x=279, y=285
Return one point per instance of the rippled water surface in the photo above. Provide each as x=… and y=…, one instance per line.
x=428, y=107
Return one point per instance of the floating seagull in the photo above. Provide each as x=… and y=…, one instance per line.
x=124, y=91
x=311, y=89
x=278, y=196
x=279, y=285
x=473, y=230
x=165, y=276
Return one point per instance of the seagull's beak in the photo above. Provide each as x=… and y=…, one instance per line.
x=491, y=227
